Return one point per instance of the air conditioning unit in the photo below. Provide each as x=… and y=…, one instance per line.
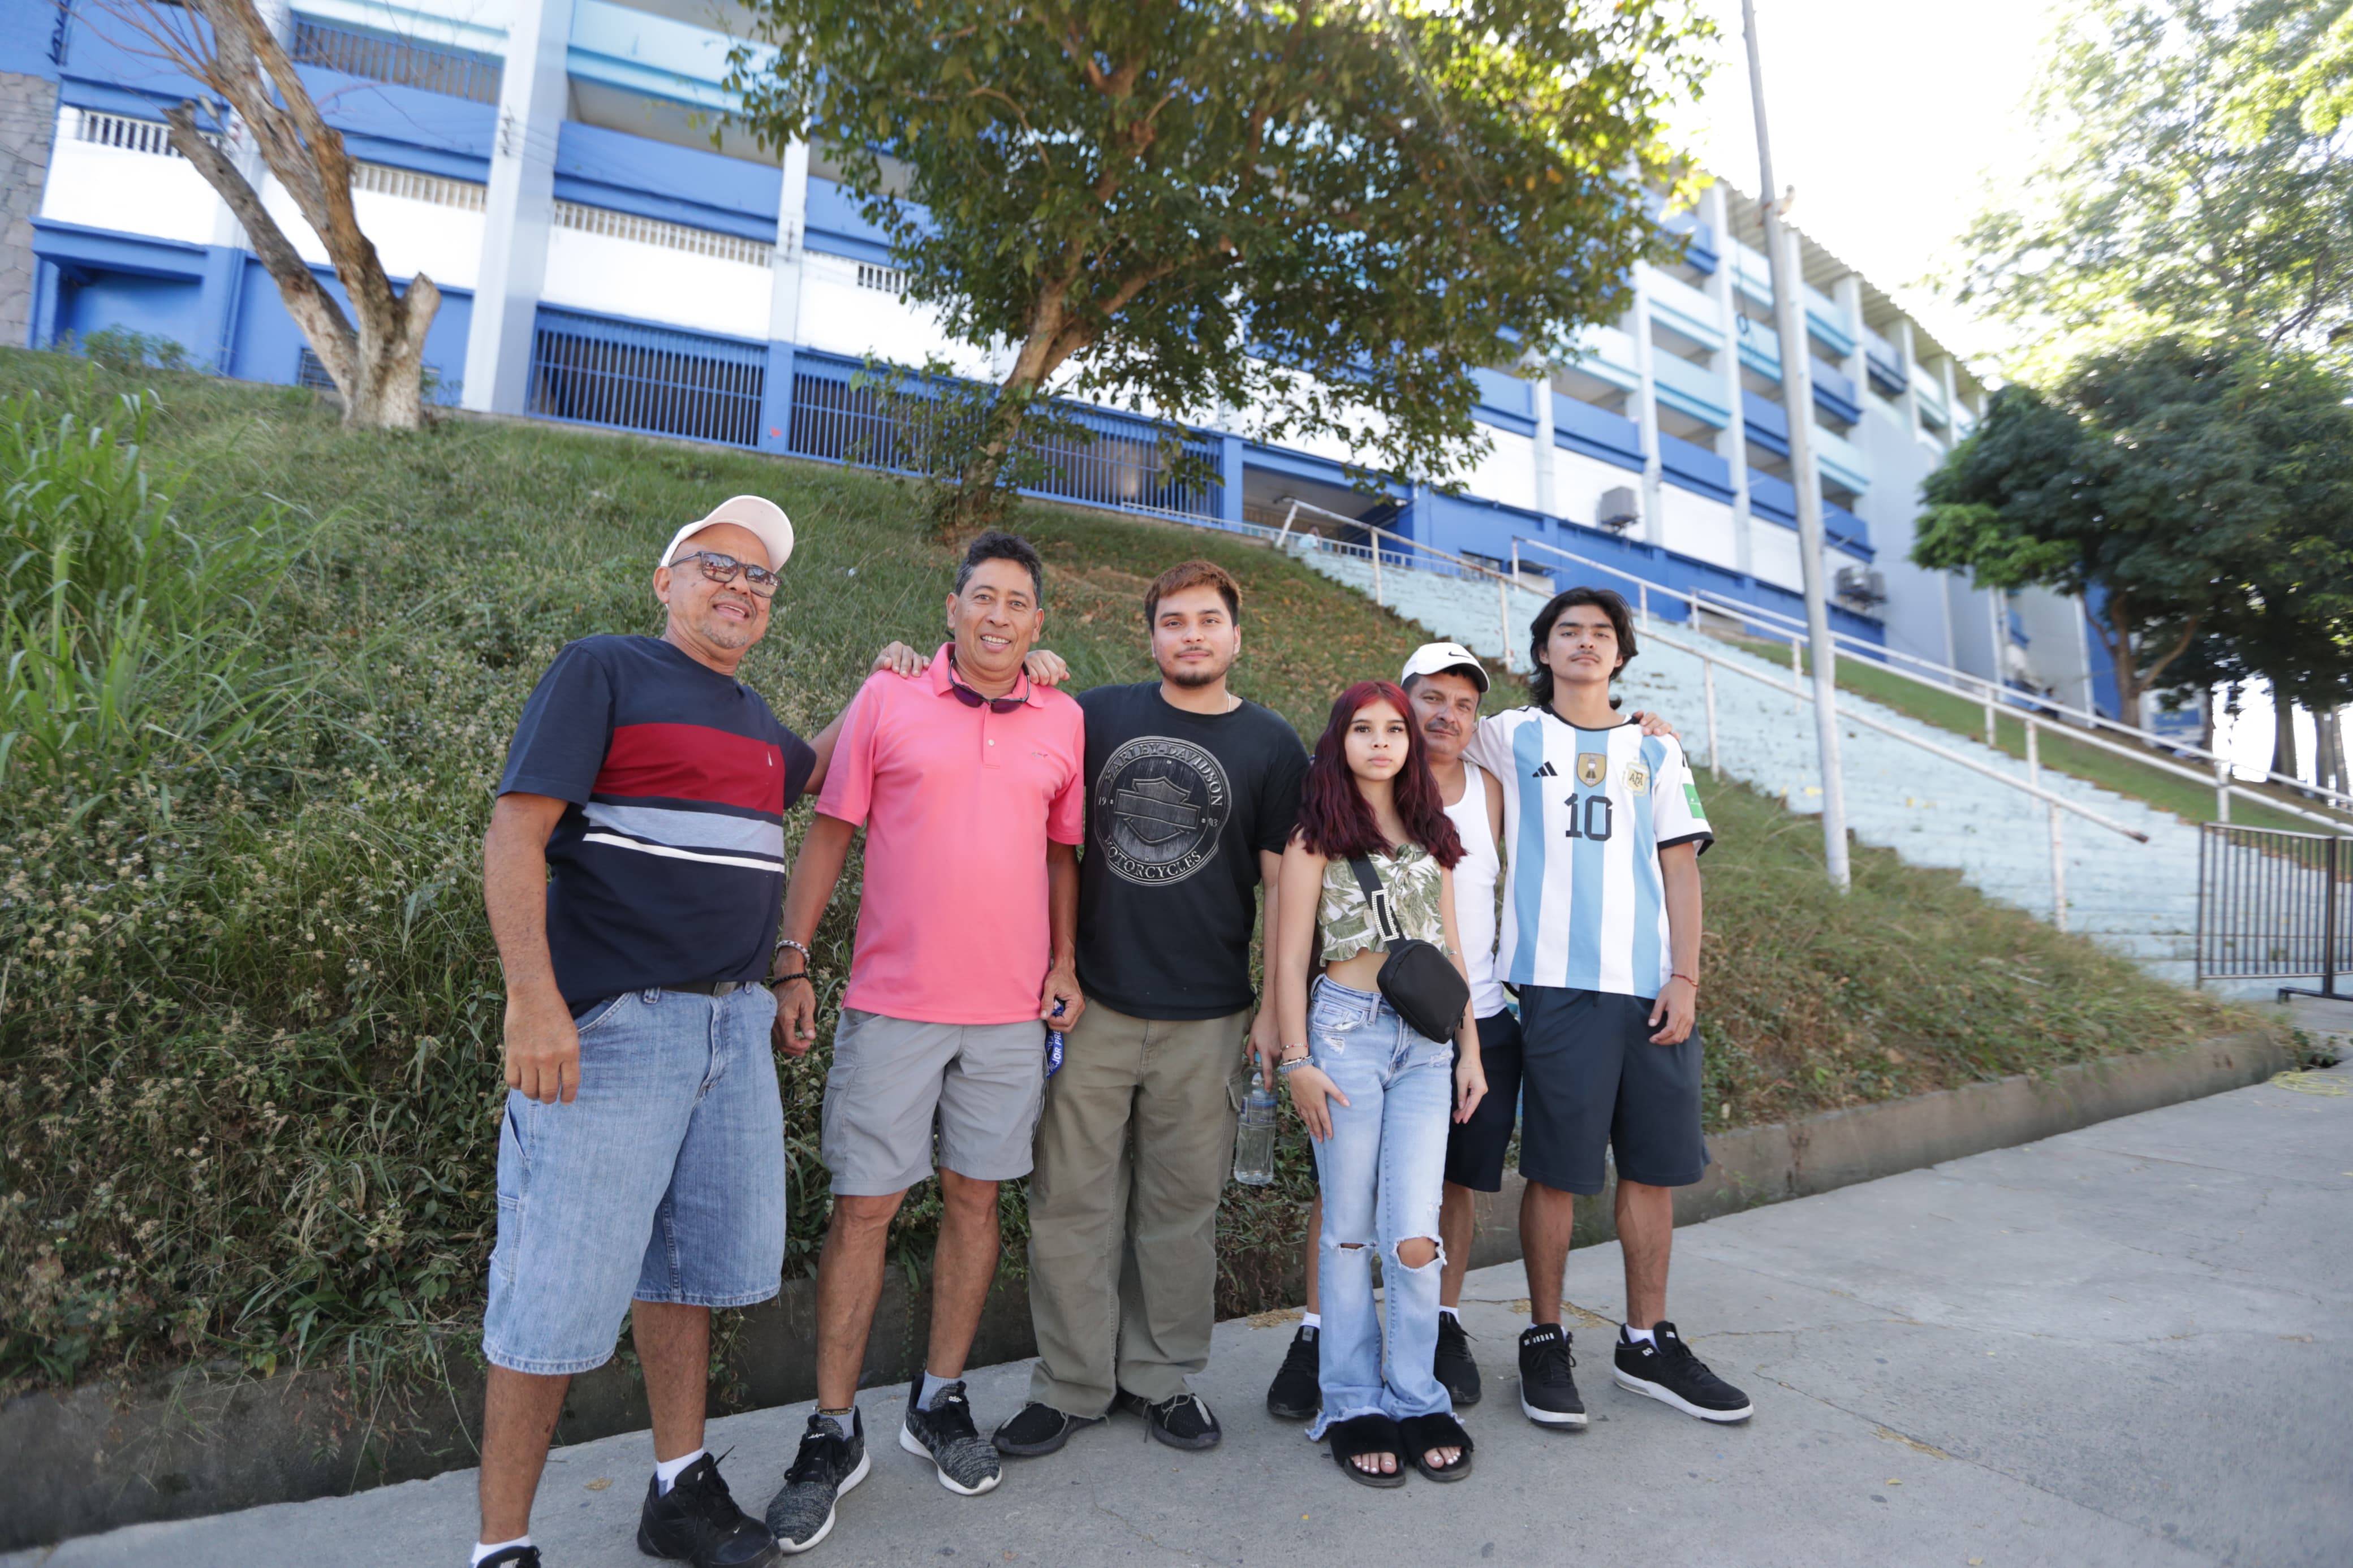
x=1861, y=586
x=1619, y=509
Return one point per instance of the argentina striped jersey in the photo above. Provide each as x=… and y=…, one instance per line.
x=1586, y=813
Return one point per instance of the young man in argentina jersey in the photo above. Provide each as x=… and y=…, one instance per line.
x=1603, y=829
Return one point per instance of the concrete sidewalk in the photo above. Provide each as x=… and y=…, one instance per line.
x=2131, y=1344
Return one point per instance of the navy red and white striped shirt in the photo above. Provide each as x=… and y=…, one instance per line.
x=667, y=869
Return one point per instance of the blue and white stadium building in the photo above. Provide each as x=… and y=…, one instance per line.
x=549, y=165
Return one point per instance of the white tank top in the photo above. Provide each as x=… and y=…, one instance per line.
x=1475, y=875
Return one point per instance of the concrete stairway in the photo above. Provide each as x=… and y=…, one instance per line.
x=2137, y=900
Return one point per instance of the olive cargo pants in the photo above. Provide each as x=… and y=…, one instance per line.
x=1134, y=1149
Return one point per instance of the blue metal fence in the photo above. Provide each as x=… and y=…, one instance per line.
x=1100, y=458
x=596, y=370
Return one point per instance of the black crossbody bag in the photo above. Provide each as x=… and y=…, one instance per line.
x=1417, y=979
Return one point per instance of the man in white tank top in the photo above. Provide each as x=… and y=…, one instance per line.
x=1445, y=682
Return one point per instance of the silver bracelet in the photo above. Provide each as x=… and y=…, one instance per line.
x=1287, y=1069
x=807, y=957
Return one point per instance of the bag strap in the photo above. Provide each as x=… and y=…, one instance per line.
x=1376, y=897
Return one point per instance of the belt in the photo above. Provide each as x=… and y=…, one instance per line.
x=714, y=987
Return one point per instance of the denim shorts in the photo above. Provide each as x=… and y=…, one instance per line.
x=663, y=1181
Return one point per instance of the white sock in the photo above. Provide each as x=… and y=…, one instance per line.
x=1311, y=1320
x=485, y=1548
x=1635, y=1336
x=667, y=1471
x=1450, y=1312
x=931, y=1386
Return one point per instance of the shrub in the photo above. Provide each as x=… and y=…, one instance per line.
x=119, y=349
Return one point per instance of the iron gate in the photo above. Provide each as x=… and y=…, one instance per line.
x=2274, y=905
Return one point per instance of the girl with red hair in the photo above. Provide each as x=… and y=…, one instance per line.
x=1374, y=1092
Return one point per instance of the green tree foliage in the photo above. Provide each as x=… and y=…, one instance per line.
x=1324, y=213
x=2199, y=178
x=2202, y=497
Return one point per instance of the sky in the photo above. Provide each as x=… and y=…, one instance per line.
x=1885, y=115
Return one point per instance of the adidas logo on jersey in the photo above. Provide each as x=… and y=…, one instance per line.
x=1545, y=772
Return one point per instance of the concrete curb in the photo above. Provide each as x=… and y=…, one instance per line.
x=206, y=1439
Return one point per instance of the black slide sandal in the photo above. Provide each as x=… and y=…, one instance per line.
x=1420, y=1434
x=1366, y=1434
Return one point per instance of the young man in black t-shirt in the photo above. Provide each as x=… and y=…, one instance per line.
x=1191, y=794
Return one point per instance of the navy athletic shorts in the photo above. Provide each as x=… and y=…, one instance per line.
x=1591, y=1080
x=1475, y=1149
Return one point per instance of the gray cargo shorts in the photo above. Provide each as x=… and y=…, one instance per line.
x=892, y=1078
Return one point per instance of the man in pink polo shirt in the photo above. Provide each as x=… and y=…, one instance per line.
x=969, y=781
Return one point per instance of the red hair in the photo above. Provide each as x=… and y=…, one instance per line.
x=1334, y=819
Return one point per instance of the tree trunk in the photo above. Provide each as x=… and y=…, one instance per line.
x=2284, y=737
x=2328, y=749
x=376, y=363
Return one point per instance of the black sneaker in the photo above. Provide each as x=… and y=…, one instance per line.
x=696, y=1522
x=1037, y=1430
x=1453, y=1364
x=1665, y=1370
x=830, y=1462
x=1297, y=1392
x=1548, y=1390
x=512, y=1557
x=1183, y=1421
x=945, y=1435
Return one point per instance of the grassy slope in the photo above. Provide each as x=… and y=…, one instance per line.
x=249, y=1055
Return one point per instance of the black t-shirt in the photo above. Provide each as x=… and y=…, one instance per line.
x=1178, y=807
x=667, y=867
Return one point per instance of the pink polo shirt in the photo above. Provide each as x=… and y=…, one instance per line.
x=958, y=805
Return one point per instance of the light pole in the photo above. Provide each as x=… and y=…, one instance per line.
x=1798, y=397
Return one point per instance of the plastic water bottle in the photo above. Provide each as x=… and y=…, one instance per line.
x=1254, y=1139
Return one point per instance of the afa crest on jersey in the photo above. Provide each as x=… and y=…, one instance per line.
x=1638, y=778
x=1592, y=767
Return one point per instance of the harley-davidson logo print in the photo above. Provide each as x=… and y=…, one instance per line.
x=1159, y=807
x=1591, y=766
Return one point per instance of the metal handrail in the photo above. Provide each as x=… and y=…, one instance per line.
x=2224, y=784
x=2054, y=804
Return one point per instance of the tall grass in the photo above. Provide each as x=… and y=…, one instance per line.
x=142, y=632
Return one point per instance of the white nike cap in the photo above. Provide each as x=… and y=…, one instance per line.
x=764, y=518
x=1437, y=657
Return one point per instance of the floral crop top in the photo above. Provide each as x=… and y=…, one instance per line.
x=1346, y=918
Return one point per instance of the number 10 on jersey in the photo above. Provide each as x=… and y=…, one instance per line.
x=1593, y=813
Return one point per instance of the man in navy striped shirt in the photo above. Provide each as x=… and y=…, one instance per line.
x=634, y=872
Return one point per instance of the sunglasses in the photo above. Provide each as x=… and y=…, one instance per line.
x=971, y=698
x=726, y=569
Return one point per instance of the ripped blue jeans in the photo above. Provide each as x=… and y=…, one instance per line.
x=1383, y=1172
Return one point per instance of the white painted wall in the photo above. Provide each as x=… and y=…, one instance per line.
x=1507, y=473
x=654, y=283
x=840, y=317
x=1578, y=482
x=1776, y=554
x=1696, y=525
x=131, y=193
x=443, y=243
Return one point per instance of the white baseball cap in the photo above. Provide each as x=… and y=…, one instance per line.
x=1436, y=658
x=764, y=518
